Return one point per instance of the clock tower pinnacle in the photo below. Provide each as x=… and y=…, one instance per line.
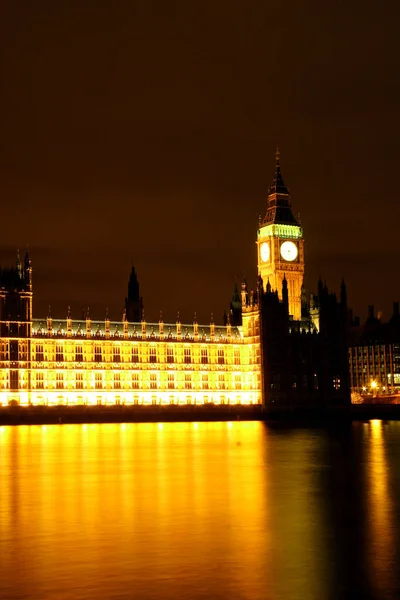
x=280, y=244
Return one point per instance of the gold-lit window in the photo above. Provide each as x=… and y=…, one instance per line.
x=60, y=381
x=4, y=351
x=98, y=355
x=135, y=354
x=59, y=353
x=117, y=381
x=153, y=354
x=187, y=355
x=39, y=381
x=171, y=381
x=98, y=381
x=188, y=382
x=204, y=356
x=153, y=381
x=79, y=381
x=238, y=382
x=221, y=382
x=237, y=356
x=204, y=382
x=170, y=354
x=135, y=381
x=221, y=356
x=39, y=353
x=117, y=354
x=78, y=353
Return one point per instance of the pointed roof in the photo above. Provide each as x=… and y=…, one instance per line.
x=278, y=185
x=279, y=209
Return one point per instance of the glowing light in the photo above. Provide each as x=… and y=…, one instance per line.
x=374, y=385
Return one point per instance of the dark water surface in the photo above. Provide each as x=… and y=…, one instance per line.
x=201, y=511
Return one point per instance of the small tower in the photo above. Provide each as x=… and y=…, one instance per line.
x=28, y=271
x=235, y=309
x=133, y=301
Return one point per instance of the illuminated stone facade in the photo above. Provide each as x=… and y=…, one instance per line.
x=53, y=361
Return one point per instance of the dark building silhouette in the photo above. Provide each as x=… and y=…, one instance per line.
x=234, y=315
x=16, y=322
x=304, y=339
x=305, y=362
x=133, y=301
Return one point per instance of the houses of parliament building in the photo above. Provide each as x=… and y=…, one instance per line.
x=271, y=350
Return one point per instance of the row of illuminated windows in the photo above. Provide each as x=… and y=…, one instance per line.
x=153, y=399
x=133, y=381
x=135, y=356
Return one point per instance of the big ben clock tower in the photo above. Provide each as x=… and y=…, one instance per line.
x=280, y=244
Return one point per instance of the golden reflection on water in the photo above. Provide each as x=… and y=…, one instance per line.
x=382, y=551
x=180, y=510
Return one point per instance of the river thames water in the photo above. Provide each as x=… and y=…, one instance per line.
x=240, y=510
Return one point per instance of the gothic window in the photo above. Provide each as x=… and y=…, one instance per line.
x=39, y=353
x=153, y=381
x=237, y=356
x=98, y=381
x=204, y=356
x=59, y=353
x=221, y=382
x=117, y=354
x=78, y=353
x=170, y=354
x=39, y=381
x=135, y=354
x=171, y=381
x=188, y=382
x=238, y=382
x=135, y=381
x=117, y=381
x=98, y=355
x=204, y=382
x=79, y=381
x=221, y=356
x=153, y=354
x=188, y=355
x=60, y=381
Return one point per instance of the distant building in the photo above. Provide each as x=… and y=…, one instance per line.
x=375, y=355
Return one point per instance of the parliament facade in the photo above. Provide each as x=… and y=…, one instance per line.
x=52, y=361
x=278, y=346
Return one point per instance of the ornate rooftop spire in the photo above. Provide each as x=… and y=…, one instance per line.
x=278, y=185
x=278, y=208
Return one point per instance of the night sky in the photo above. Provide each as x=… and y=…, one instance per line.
x=145, y=132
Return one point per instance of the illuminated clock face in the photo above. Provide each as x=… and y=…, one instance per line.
x=264, y=252
x=289, y=251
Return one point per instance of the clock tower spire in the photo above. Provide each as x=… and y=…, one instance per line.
x=280, y=244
